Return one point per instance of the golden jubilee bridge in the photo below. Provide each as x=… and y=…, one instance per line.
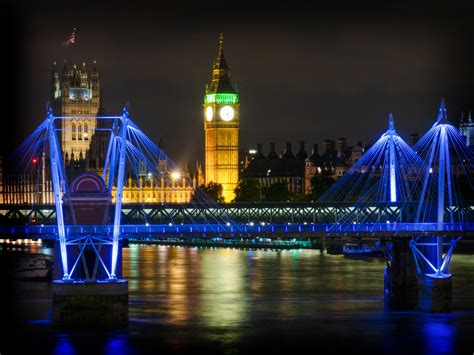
x=417, y=198
x=286, y=220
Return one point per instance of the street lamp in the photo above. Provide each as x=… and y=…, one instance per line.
x=175, y=175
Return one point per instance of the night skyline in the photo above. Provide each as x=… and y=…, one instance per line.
x=307, y=74
x=107, y=245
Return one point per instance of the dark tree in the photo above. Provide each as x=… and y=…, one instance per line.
x=248, y=190
x=319, y=185
x=205, y=193
x=277, y=192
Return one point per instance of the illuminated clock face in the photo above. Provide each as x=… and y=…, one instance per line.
x=227, y=113
x=209, y=113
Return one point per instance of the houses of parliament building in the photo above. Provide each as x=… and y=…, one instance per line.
x=75, y=92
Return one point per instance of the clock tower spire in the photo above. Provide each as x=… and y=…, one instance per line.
x=221, y=127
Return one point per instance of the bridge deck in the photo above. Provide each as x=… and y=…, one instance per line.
x=282, y=231
x=242, y=213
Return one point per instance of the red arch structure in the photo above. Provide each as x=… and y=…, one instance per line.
x=87, y=183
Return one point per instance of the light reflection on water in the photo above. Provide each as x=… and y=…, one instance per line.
x=438, y=336
x=181, y=296
x=222, y=294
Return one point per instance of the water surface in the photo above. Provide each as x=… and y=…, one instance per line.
x=184, y=299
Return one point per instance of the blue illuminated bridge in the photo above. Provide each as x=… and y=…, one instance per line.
x=417, y=197
x=249, y=220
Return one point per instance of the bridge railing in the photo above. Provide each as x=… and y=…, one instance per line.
x=273, y=213
x=157, y=230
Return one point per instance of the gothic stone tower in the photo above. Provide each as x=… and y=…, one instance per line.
x=74, y=94
x=221, y=127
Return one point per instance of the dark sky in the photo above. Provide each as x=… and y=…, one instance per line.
x=303, y=73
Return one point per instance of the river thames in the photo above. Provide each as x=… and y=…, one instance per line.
x=188, y=299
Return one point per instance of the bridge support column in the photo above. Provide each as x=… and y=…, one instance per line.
x=435, y=293
x=400, y=277
x=434, y=280
x=90, y=295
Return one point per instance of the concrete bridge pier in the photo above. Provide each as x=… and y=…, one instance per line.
x=435, y=293
x=90, y=303
x=411, y=287
x=435, y=289
x=400, y=276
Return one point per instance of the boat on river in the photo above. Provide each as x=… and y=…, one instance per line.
x=32, y=266
x=358, y=249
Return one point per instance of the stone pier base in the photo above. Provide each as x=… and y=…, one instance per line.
x=435, y=293
x=79, y=303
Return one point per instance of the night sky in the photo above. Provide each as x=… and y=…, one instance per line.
x=302, y=73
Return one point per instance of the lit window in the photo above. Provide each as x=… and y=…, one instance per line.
x=79, y=132
x=73, y=131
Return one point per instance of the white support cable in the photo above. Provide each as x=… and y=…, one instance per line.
x=55, y=165
x=447, y=258
x=425, y=259
x=413, y=250
x=107, y=156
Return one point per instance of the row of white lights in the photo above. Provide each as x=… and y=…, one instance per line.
x=20, y=241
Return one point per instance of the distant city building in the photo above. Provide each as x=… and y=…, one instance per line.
x=286, y=167
x=341, y=146
x=245, y=157
x=466, y=128
x=297, y=170
x=336, y=158
x=221, y=128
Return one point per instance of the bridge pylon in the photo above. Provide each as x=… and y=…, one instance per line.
x=87, y=284
x=443, y=149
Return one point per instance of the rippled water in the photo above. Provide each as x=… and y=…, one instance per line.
x=232, y=300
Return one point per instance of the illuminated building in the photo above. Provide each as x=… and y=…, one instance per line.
x=245, y=157
x=221, y=127
x=76, y=93
x=175, y=188
x=466, y=128
x=30, y=186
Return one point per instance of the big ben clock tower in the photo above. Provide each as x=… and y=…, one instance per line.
x=221, y=127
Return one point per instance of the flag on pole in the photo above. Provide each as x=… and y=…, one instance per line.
x=71, y=39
